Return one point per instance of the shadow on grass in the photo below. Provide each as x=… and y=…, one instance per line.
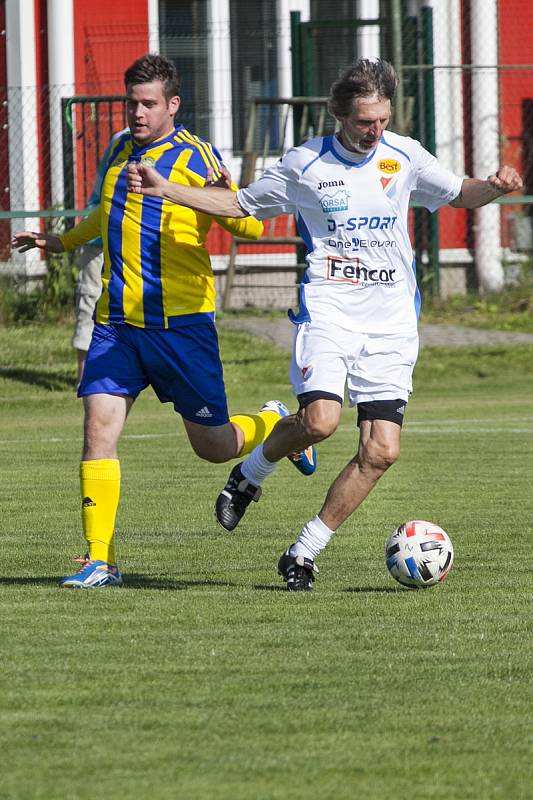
x=268, y=587
x=53, y=382
x=373, y=590
x=131, y=581
x=15, y=580
x=351, y=589
x=138, y=581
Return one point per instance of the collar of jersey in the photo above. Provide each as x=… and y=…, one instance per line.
x=357, y=164
x=140, y=151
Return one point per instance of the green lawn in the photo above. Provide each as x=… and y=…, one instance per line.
x=202, y=678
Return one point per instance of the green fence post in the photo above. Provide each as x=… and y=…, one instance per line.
x=296, y=65
x=68, y=157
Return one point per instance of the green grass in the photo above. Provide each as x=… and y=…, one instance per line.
x=202, y=678
x=511, y=310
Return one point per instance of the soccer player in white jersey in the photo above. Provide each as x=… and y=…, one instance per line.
x=356, y=326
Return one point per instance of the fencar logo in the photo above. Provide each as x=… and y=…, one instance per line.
x=389, y=166
x=350, y=270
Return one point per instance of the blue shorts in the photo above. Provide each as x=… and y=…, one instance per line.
x=181, y=364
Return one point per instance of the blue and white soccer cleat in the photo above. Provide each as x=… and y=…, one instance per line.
x=305, y=461
x=92, y=575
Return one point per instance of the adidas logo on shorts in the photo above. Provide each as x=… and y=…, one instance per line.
x=400, y=410
x=204, y=412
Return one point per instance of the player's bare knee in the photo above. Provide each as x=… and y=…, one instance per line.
x=100, y=441
x=317, y=424
x=379, y=456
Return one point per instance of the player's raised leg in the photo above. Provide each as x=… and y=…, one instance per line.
x=289, y=439
x=238, y=437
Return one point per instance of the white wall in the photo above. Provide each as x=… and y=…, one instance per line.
x=22, y=131
x=61, y=79
x=485, y=139
x=219, y=66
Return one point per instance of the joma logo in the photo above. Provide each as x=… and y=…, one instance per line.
x=329, y=184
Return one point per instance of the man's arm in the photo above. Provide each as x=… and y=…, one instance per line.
x=475, y=193
x=81, y=233
x=209, y=200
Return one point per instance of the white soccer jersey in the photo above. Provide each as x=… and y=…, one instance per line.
x=352, y=214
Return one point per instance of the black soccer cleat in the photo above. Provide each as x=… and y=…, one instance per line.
x=297, y=572
x=235, y=498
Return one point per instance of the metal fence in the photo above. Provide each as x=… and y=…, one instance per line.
x=469, y=112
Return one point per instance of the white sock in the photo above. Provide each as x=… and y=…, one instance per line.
x=313, y=538
x=256, y=467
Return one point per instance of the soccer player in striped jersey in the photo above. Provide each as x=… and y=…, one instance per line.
x=356, y=327
x=154, y=321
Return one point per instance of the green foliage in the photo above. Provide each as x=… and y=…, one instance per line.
x=202, y=677
x=510, y=310
x=44, y=300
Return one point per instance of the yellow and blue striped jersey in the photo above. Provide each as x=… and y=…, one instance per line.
x=157, y=271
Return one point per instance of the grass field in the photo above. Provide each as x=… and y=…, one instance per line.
x=202, y=678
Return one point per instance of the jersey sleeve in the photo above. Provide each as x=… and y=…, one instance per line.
x=435, y=186
x=247, y=228
x=276, y=192
x=85, y=231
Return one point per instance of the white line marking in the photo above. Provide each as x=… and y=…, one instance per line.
x=466, y=426
x=58, y=439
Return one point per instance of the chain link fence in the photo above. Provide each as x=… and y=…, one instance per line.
x=471, y=111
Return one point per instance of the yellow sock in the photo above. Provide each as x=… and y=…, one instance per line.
x=100, y=492
x=255, y=428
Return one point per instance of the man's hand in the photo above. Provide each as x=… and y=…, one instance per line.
x=27, y=240
x=212, y=200
x=222, y=182
x=506, y=180
x=144, y=180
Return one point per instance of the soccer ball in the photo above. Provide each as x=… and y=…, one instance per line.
x=419, y=554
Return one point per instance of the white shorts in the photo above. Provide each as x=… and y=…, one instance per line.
x=373, y=366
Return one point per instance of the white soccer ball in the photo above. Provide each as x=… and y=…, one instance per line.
x=419, y=554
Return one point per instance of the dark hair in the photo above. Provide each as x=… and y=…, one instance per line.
x=362, y=79
x=151, y=67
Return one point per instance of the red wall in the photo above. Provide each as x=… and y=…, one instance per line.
x=516, y=86
x=108, y=36
x=516, y=92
